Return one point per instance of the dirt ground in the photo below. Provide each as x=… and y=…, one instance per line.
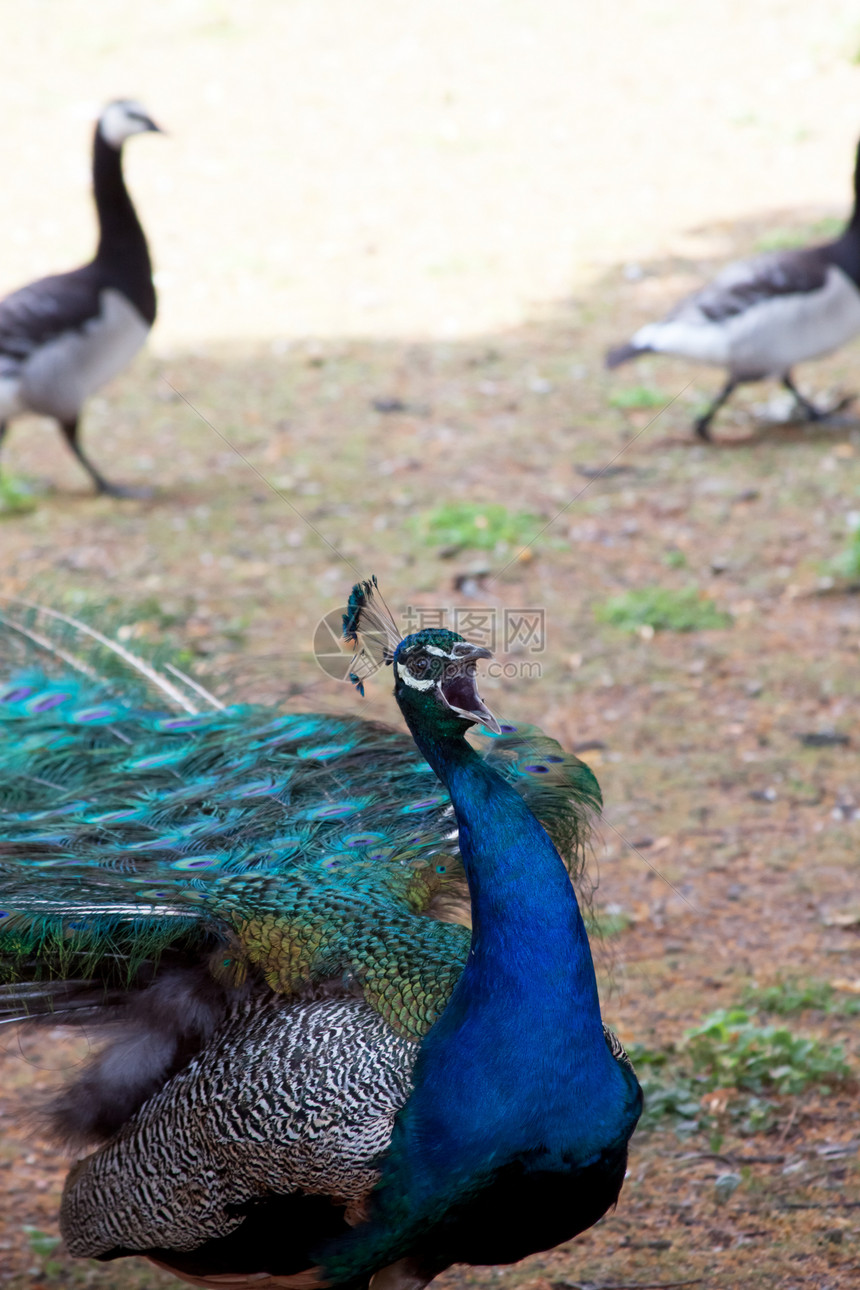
x=392, y=248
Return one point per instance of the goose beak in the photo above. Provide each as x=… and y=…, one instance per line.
x=460, y=692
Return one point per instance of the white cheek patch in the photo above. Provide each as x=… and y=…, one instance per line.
x=116, y=123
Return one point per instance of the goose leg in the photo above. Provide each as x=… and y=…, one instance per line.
x=811, y=412
x=702, y=425
x=70, y=430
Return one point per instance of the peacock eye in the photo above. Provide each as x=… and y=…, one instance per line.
x=420, y=665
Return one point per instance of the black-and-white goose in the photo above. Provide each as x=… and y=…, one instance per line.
x=64, y=336
x=760, y=316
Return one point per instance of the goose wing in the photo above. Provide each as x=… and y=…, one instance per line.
x=38, y=313
x=750, y=282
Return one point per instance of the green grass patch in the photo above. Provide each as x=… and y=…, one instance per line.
x=671, y=1093
x=847, y=563
x=664, y=609
x=16, y=497
x=784, y=998
x=638, y=396
x=42, y=1246
x=730, y=1050
x=785, y=239
x=485, y=526
x=41, y=1243
x=608, y=922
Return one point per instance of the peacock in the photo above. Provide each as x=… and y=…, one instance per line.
x=352, y=1021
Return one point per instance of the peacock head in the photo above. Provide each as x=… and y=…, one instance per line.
x=123, y=118
x=435, y=683
x=434, y=669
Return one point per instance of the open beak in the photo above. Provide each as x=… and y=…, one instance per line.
x=460, y=692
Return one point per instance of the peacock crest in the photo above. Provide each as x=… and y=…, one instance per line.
x=368, y=624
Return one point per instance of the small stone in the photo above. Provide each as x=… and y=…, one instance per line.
x=725, y=1186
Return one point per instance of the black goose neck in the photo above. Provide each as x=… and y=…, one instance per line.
x=854, y=221
x=844, y=252
x=122, y=253
x=852, y=227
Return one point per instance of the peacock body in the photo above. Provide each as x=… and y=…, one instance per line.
x=317, y=1073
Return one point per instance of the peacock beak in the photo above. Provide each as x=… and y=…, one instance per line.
x=459, y=688
x=465, y=653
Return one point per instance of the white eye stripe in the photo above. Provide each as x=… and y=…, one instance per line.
x=413, y=682
x=434, y=649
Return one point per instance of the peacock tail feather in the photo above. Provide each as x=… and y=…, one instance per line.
x=300, y=848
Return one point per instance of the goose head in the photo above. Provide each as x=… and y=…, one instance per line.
x=123, y=118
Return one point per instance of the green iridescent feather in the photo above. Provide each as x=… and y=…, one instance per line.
x=302, y=847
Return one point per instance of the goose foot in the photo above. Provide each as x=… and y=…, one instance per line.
x=824, y=414
x=809, y=410
x=141, y=494
x=103, y=486
x=702, y=424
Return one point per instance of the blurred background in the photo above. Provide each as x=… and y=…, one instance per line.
x=419, y=170
x=392, y=244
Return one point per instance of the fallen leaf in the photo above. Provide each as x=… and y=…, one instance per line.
x=848, y=987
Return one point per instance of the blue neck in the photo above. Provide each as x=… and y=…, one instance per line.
x=525, y=918
x=523, y=1025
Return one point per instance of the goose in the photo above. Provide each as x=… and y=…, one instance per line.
x=64, y=336
x=761, y=315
